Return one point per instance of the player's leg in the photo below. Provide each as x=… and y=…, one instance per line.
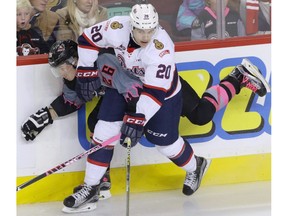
x=216, y=97
x=105, y=186
x=105, y=182
x=109, y=124
x=97, y=163
x=169, y=143
x=249, y=76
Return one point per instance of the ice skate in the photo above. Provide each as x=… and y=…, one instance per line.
x=250, y=77
x=193, y=179
x=105, y=186
x=85, y=199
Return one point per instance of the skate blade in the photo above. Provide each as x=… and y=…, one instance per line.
x=104, y=195
x=208, y=161
x=254, y=70
x=84, y=208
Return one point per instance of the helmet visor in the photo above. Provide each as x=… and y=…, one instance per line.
x=56, y=71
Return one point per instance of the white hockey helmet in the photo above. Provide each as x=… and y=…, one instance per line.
x=144, y=16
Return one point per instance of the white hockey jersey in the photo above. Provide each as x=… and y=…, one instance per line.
x=154, y=65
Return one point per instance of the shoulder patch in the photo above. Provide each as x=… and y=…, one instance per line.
x=158, y=45
x=116, y=25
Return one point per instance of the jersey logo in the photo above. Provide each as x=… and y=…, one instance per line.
x=87, y=74
x=158, y=44
x=116, y=25
x=164, y=52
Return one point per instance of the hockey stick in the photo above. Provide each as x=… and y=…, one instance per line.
x=61, y=166
x=128, y=141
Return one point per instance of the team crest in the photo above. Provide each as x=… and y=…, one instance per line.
x=116, y=25
x=158, y=44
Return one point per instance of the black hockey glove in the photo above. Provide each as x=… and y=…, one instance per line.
x=133, y=127
x=36, y=123
x=87, y=88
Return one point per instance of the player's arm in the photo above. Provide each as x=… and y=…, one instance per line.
x=88, y=81
x=69, y=101
x=159, y=83
x=150, y=101
x=35, y=123
x=63, y=105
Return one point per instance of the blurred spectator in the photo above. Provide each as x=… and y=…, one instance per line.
x=256, y=15
x=234, y=5
x=44, y=19
x=264, y=17
x=29, y=40
x=77, y=15
x=54, y=5
x=187, y=13
x=205, y=25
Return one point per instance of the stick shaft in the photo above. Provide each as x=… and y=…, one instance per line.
x=128, y=176
x=66, y=163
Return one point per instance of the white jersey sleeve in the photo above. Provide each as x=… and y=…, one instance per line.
x=106, y=34
x=113, y=33
x=160, y=81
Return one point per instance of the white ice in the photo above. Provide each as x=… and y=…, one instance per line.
x=247, y=199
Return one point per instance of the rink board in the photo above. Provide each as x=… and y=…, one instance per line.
x=238, y=140
x=157, y=177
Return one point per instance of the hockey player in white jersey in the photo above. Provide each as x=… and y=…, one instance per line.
x=145, y=51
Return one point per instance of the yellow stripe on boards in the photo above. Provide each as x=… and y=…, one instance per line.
x=156, y=177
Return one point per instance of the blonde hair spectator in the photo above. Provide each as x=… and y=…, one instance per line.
x=77, y=15
x=23, y=14
x=29, y=39
x=21, y=4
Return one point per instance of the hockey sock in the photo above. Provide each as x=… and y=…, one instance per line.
x=180, y=153
x=93, y=173
x=220, y=95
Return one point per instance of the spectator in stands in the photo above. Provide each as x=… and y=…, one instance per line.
x=205, y=25
x=234, y=5
x=29, y=40
x=54, y=5
x=256, y=16
x=77, y=15
x=187, y=13
x=47, y=21
x=264, y=17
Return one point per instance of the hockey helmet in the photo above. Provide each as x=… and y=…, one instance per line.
x=61, y=52
x=144, y=16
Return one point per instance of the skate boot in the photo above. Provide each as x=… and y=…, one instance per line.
x=105, y=186
x=84, y=199
x=250, y=76
x=193, y=179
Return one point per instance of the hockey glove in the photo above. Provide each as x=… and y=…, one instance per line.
x=87, y=88
x=133, y=127
x=36, y=123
